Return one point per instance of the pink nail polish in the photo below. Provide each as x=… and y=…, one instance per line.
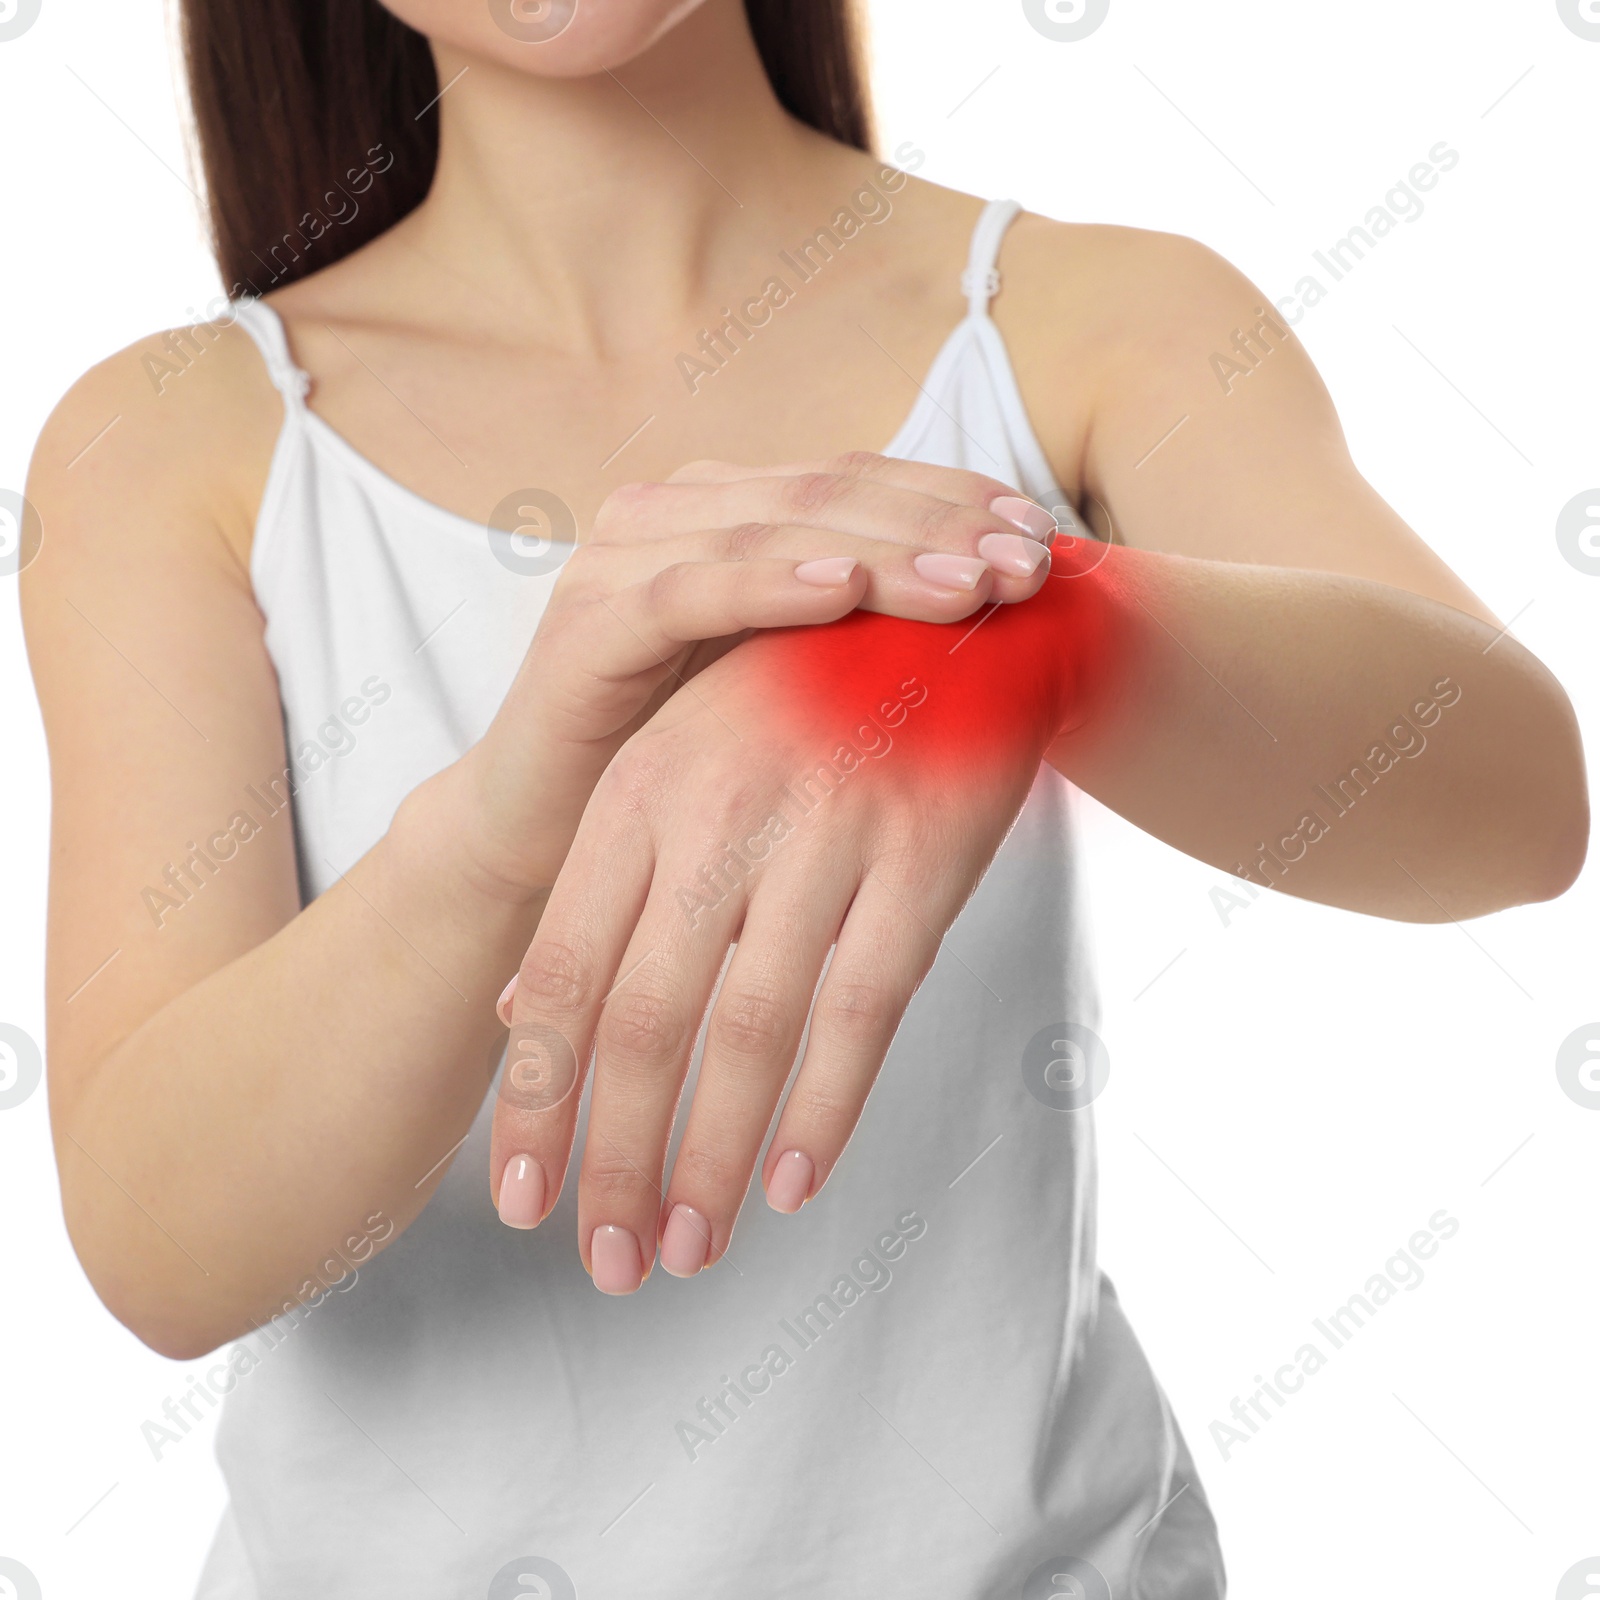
x=950, y=572
x=502, y=1006
x=829, y=573
x=1034, y=520
x=1011, y=553
x=615, y=1261
x=686, y=1242
x=791, y=1182
x=522, y=1193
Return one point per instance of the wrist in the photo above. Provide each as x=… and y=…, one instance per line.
x=1005, y=680
x=1087, y=633
x=444, y=832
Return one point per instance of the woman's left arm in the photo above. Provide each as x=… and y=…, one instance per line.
x=1308, y=696
x=1271, y=673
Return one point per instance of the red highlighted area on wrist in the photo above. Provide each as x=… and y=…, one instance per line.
x=929, y=707
x=952, y=698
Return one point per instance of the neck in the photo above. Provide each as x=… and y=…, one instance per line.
x=601, y=209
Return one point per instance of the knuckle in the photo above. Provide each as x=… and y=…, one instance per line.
x=855, y=1011
x=705, y=1169
x=644, y=1027
x=620, y=507
x=943, y=522
x=814, y=491
x=633, y=786
x=541, y=1071
x=747, y=540
x=748, y=1025
x=554, y=975
x=822, y=1104
x=664, y=585
x=608, y=1174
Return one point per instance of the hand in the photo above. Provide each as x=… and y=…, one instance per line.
x=652, y=596
x=798, y=796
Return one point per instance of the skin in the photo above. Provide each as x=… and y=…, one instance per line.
x=209, y=1158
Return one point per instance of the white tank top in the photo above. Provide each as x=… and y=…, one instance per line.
x=920, y=1384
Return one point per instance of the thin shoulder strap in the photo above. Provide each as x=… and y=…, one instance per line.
x=981, y=281
x=265, y=326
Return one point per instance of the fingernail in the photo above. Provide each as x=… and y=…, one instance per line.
x=522, y=1193
x=1034, y=520
x=791, y=1182
x=828, y=573
x=502, y=1006
x=686, y=1242
x=615, y=1261
x=1010, y=552
x=950, y=572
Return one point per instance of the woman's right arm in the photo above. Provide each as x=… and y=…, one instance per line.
x=240, y=1087
x=236, y=1085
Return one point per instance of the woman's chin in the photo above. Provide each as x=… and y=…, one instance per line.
x=548, y=38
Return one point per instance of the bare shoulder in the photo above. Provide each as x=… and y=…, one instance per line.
x=166, y=443
x=1105, y=319
x=1109, y=284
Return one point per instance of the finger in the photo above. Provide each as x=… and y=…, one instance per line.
x=751, y=1039
x=951, y=545
x=883, y=953
x=592, y=655
x=558, y=993
x=646, y=1033
x=502, y=1006
x=956, y=484
x=688, y=601
x=896, y=580
x=894, y=577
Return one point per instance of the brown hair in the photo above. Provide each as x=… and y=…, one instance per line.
x=311, y=117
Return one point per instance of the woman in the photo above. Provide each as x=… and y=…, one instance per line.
x=498, y=275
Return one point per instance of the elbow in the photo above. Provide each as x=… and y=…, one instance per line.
x=174, y=1342
x=1517, y=816
x=1557, y=831
x=1544, y=837
x=157, y=1315
x=148, y=1296
x=1561, y=847
x=160, y=1320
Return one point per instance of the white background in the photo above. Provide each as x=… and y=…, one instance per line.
x=1294, y=1091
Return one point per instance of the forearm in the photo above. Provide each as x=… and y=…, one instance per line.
x=1340, y=739
x=297, y=1106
